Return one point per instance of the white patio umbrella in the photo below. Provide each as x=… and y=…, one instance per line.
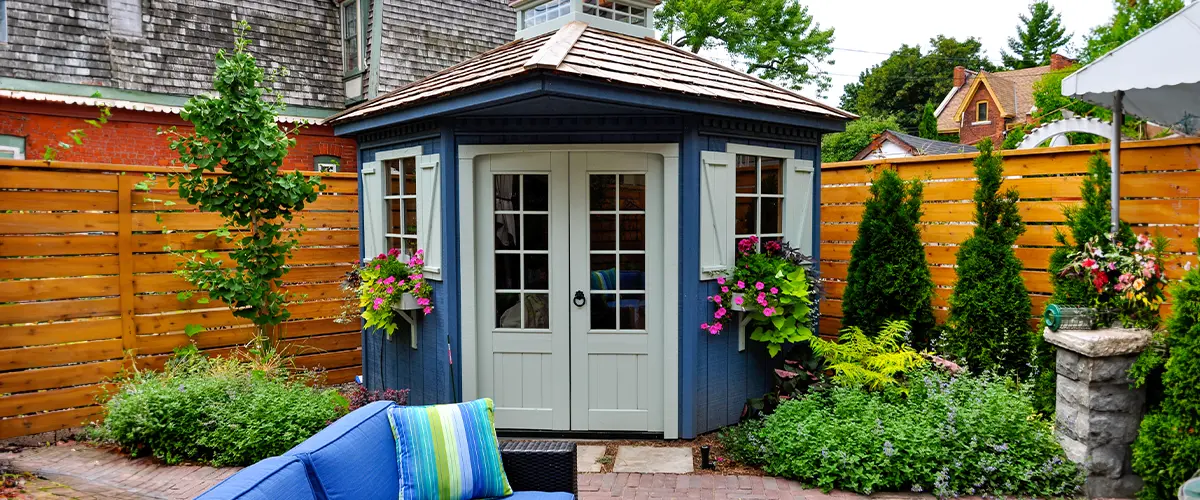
x=1155, y=76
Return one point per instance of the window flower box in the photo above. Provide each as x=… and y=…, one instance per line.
x=407, y=302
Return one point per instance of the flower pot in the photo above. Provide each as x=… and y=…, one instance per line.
x=407, y=303
x=733, y=306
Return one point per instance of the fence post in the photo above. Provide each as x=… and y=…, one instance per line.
x=125, y=189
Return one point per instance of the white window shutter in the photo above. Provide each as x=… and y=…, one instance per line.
x=717, y=184
x=374, y=209
x=429, y=213
x=797, y=203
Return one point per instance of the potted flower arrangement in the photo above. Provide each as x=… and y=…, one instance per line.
x=773, y=287
x=1129, y=282
x=389, y=283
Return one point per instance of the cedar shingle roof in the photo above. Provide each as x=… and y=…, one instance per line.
x=583, y=51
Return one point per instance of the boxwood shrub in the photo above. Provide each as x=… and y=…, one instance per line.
x=221, y=412
x=950, y=436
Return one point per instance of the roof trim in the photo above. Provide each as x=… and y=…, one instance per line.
x=555, y=50
x=22, y=95
x=981, y=78
x=877, y=142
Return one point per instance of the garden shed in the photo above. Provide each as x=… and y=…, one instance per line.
x=576, y=192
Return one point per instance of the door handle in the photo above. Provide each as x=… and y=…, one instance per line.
x=579, y=299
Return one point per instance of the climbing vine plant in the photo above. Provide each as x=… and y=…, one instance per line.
x=232, y=162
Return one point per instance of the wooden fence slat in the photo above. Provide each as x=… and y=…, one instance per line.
x=58, y=288
x=44, y=246
x=154, y=242
x=46, y=422
x=42, y=223
x=125, y=260
x=164, y=263
x=58, y=267
x=62, y=376
x=58, y=333
x=57, y=399
x=46, y=356
x=205, y=221
x=155, y=201
x=67, y=201
x=163, y=323
x=147, y=304
x=57, y=310
x=35, y=179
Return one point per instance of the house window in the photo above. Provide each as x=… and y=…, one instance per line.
x=981, y=111
x=548, y=11
x=759, y=193
x=401, y=200
x=125, y=17
x=352, y=24
x=617, y=11
x=326, y=163
x=11, y=146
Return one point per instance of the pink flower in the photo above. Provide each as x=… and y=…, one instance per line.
x=428, y=309
x=720, y=280
x=704, y=326
x=738, y=300
x=390, y=290
x=417, y=276
x=768, y=311
x=1089, y=263
x=715, y=328
x=378, y=303
x=759, y=285
x=741, y=284
x=422, y=301
x=720, y=313
x=716, y=298
x=724, y=289
x=774, y=290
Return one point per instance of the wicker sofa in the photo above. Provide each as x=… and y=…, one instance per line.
x=355, y=458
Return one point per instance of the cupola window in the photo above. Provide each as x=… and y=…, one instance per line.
x=549, y=11
x=617, y=11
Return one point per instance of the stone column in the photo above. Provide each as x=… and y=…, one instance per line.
x=1098, y=413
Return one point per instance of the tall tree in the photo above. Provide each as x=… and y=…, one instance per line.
x=902, y=84
x=1131, y=18
x=777, y=39
x=927, y=129
x=1040, y=34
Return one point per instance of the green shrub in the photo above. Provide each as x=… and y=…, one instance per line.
x=990, y=307
x=221, y=412
x=888, y=277
x=843, y=146
x=965, y=435
x=857, y=360
x=1168, y=445
x=743, y=443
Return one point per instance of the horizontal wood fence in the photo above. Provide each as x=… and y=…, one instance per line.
x=1160, y=193
x=87, y=290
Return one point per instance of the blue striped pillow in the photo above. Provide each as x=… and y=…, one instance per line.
x=448, y=451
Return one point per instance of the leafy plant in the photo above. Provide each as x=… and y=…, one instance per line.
x=802, y=371
x=233, y=160
x=384, y=281
x=950, y=436
x=888, y=278
x=860, y=361
x=77, y=135
x=220, y=411
x=362, y=397
x=743, y=443
x=1129, y=282
x=843, y=146
x=990, y=307
x=1168, y=446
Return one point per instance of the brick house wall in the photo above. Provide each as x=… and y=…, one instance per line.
x=971, y=134
x=131, y=137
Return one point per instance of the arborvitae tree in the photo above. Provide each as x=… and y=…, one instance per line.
x=1040, y=34
x=888, y=277
x=990, y=306
x=1167, y=449
x=928, y=127
x=1092, y=219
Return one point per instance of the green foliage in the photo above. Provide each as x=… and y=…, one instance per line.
x=888, y=277
x=1130, y=20
x=743, y=443
x=990, y=307
x=236, y=134
x=774, y=291
x=384, y=280
x=902, y=84
x=859, y=133
x=876, y=364
x=1014, y=136
x=778, y=39
x=928, y=129
x=1040, y=34
x=1168, y=445
x=218, y=411
x=950, y=436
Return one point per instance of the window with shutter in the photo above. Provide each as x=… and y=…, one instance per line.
x=429, y=213
x=716, y=213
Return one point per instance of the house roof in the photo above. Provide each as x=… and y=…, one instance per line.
x=1011, y=90
x=583, y=51
x=916, y=146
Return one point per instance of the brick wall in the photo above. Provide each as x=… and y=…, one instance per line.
x=971, y=134
x=131, y=137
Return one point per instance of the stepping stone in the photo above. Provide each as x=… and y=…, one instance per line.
x=654, y=459
x=586, y=458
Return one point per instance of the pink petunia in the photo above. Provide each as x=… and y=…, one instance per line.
x=774, y=290
x=741, y=284
x=768, y=311
x=428, y=309
x=720, y=280
x=724, y=289
x=390, y=290
x=704, y=326
x=378, y=303
x=720, y=313
x=738, y=300
x=759, y=285
x=422, y=301
x=717, y=299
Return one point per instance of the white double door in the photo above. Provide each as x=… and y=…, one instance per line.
x=569, y=298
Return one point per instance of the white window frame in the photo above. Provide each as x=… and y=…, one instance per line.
x=384, y=159
x=783, y=155
x=358, y=36
x=604, y=12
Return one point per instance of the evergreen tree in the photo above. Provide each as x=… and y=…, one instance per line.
x=990, y=306
x=928, y=129
x=1167, y=450
x=1039, y=36
x=888, y=278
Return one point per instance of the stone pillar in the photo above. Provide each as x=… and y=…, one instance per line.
x=1098, y=413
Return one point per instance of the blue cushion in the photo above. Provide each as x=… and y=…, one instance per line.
x=276, y=478
x=355, y=458
x=449, y=452
x=538, y=495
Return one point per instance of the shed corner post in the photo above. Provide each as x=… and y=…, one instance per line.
x=689, y=279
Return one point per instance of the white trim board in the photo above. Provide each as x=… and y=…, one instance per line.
x=743, y=149
x=466, y=231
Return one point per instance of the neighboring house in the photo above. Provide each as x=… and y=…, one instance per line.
x=147, y=58
x=892, y=144
x=577, y=192
x=986, y=104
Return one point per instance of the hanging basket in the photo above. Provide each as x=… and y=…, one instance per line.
x=407, y=303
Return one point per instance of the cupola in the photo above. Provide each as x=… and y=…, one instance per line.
x=631, y=17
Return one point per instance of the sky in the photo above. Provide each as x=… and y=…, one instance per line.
x=865, y=31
